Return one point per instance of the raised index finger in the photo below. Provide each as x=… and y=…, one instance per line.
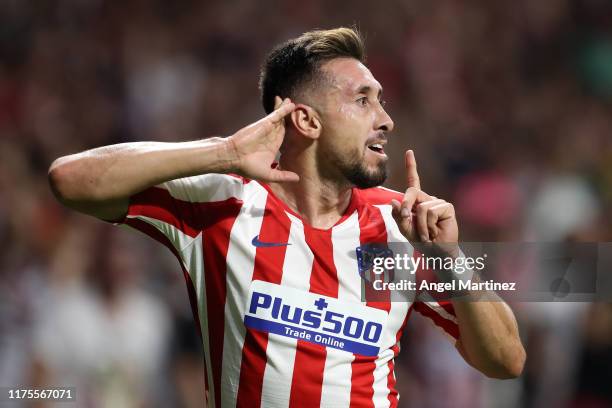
x=412, y=177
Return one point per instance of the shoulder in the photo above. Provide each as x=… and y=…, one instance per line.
x=206, y=187
x=379, y=195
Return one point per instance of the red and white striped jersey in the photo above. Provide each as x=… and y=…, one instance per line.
x=278, y=302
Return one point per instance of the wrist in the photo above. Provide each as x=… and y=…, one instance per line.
x=232, y=154
x=448, y=261
x=439, y=250
x=225, y=153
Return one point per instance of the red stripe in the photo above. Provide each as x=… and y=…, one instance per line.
x=392, y=396
x=268, y=267
x=391, y=381
x=372, y=230
x=362, y=381
x=217, y=223
x=380, y=195
x=188, y=217
x=448, y=325
x=252, y=369
x=309, y=366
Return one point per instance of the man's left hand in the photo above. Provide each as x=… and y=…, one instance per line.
x=422, y=218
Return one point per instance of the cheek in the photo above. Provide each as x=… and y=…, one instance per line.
x=356, y=117
x=347, y=113
x=347, y=129
x=341, y=143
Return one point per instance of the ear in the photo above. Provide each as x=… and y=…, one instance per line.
x=306, y=121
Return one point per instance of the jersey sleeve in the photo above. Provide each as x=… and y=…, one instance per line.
x=438, y=311
x=441, y=314
x=175, y=212
x=178, y=213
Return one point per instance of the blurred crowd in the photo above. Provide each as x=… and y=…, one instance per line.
x=507, y=105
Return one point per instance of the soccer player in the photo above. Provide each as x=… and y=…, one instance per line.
x=268, y=249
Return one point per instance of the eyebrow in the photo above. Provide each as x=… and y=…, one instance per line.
x=365, y=89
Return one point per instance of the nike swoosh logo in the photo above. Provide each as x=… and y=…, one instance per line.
x=257, y=243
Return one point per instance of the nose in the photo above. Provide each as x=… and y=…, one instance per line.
x=384, y=121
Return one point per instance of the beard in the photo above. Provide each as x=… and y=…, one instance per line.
x=357, y=173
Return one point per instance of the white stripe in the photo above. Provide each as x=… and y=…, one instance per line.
x=192, y=258
x=336, y=389
x=397, y=315
x=177, y=237
x=393, y=232
x=240, y=265
x=205, y=188
x=380, y=386
x=345, y=243
x=281, y=350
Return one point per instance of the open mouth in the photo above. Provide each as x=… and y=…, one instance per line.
x=377, y=147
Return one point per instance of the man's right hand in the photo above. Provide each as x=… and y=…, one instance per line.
x=100, y=181
x=255, y=147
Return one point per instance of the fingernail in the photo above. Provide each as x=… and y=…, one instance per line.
x=424, y=238
x=405, y=212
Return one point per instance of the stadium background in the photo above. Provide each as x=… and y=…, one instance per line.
x=507, y=105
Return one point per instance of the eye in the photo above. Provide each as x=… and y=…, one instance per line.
x=363, y=101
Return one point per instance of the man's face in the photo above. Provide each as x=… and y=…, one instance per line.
x=354, y=124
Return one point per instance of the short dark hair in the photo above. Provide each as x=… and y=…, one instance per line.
x=297, y=62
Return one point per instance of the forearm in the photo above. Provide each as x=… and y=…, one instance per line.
x=99, y=182
x=119, y=171
x=489, y=337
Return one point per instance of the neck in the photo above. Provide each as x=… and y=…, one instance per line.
x=320, y=201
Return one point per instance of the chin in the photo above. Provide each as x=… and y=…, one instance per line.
x=369, y=178
x=361, y=172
